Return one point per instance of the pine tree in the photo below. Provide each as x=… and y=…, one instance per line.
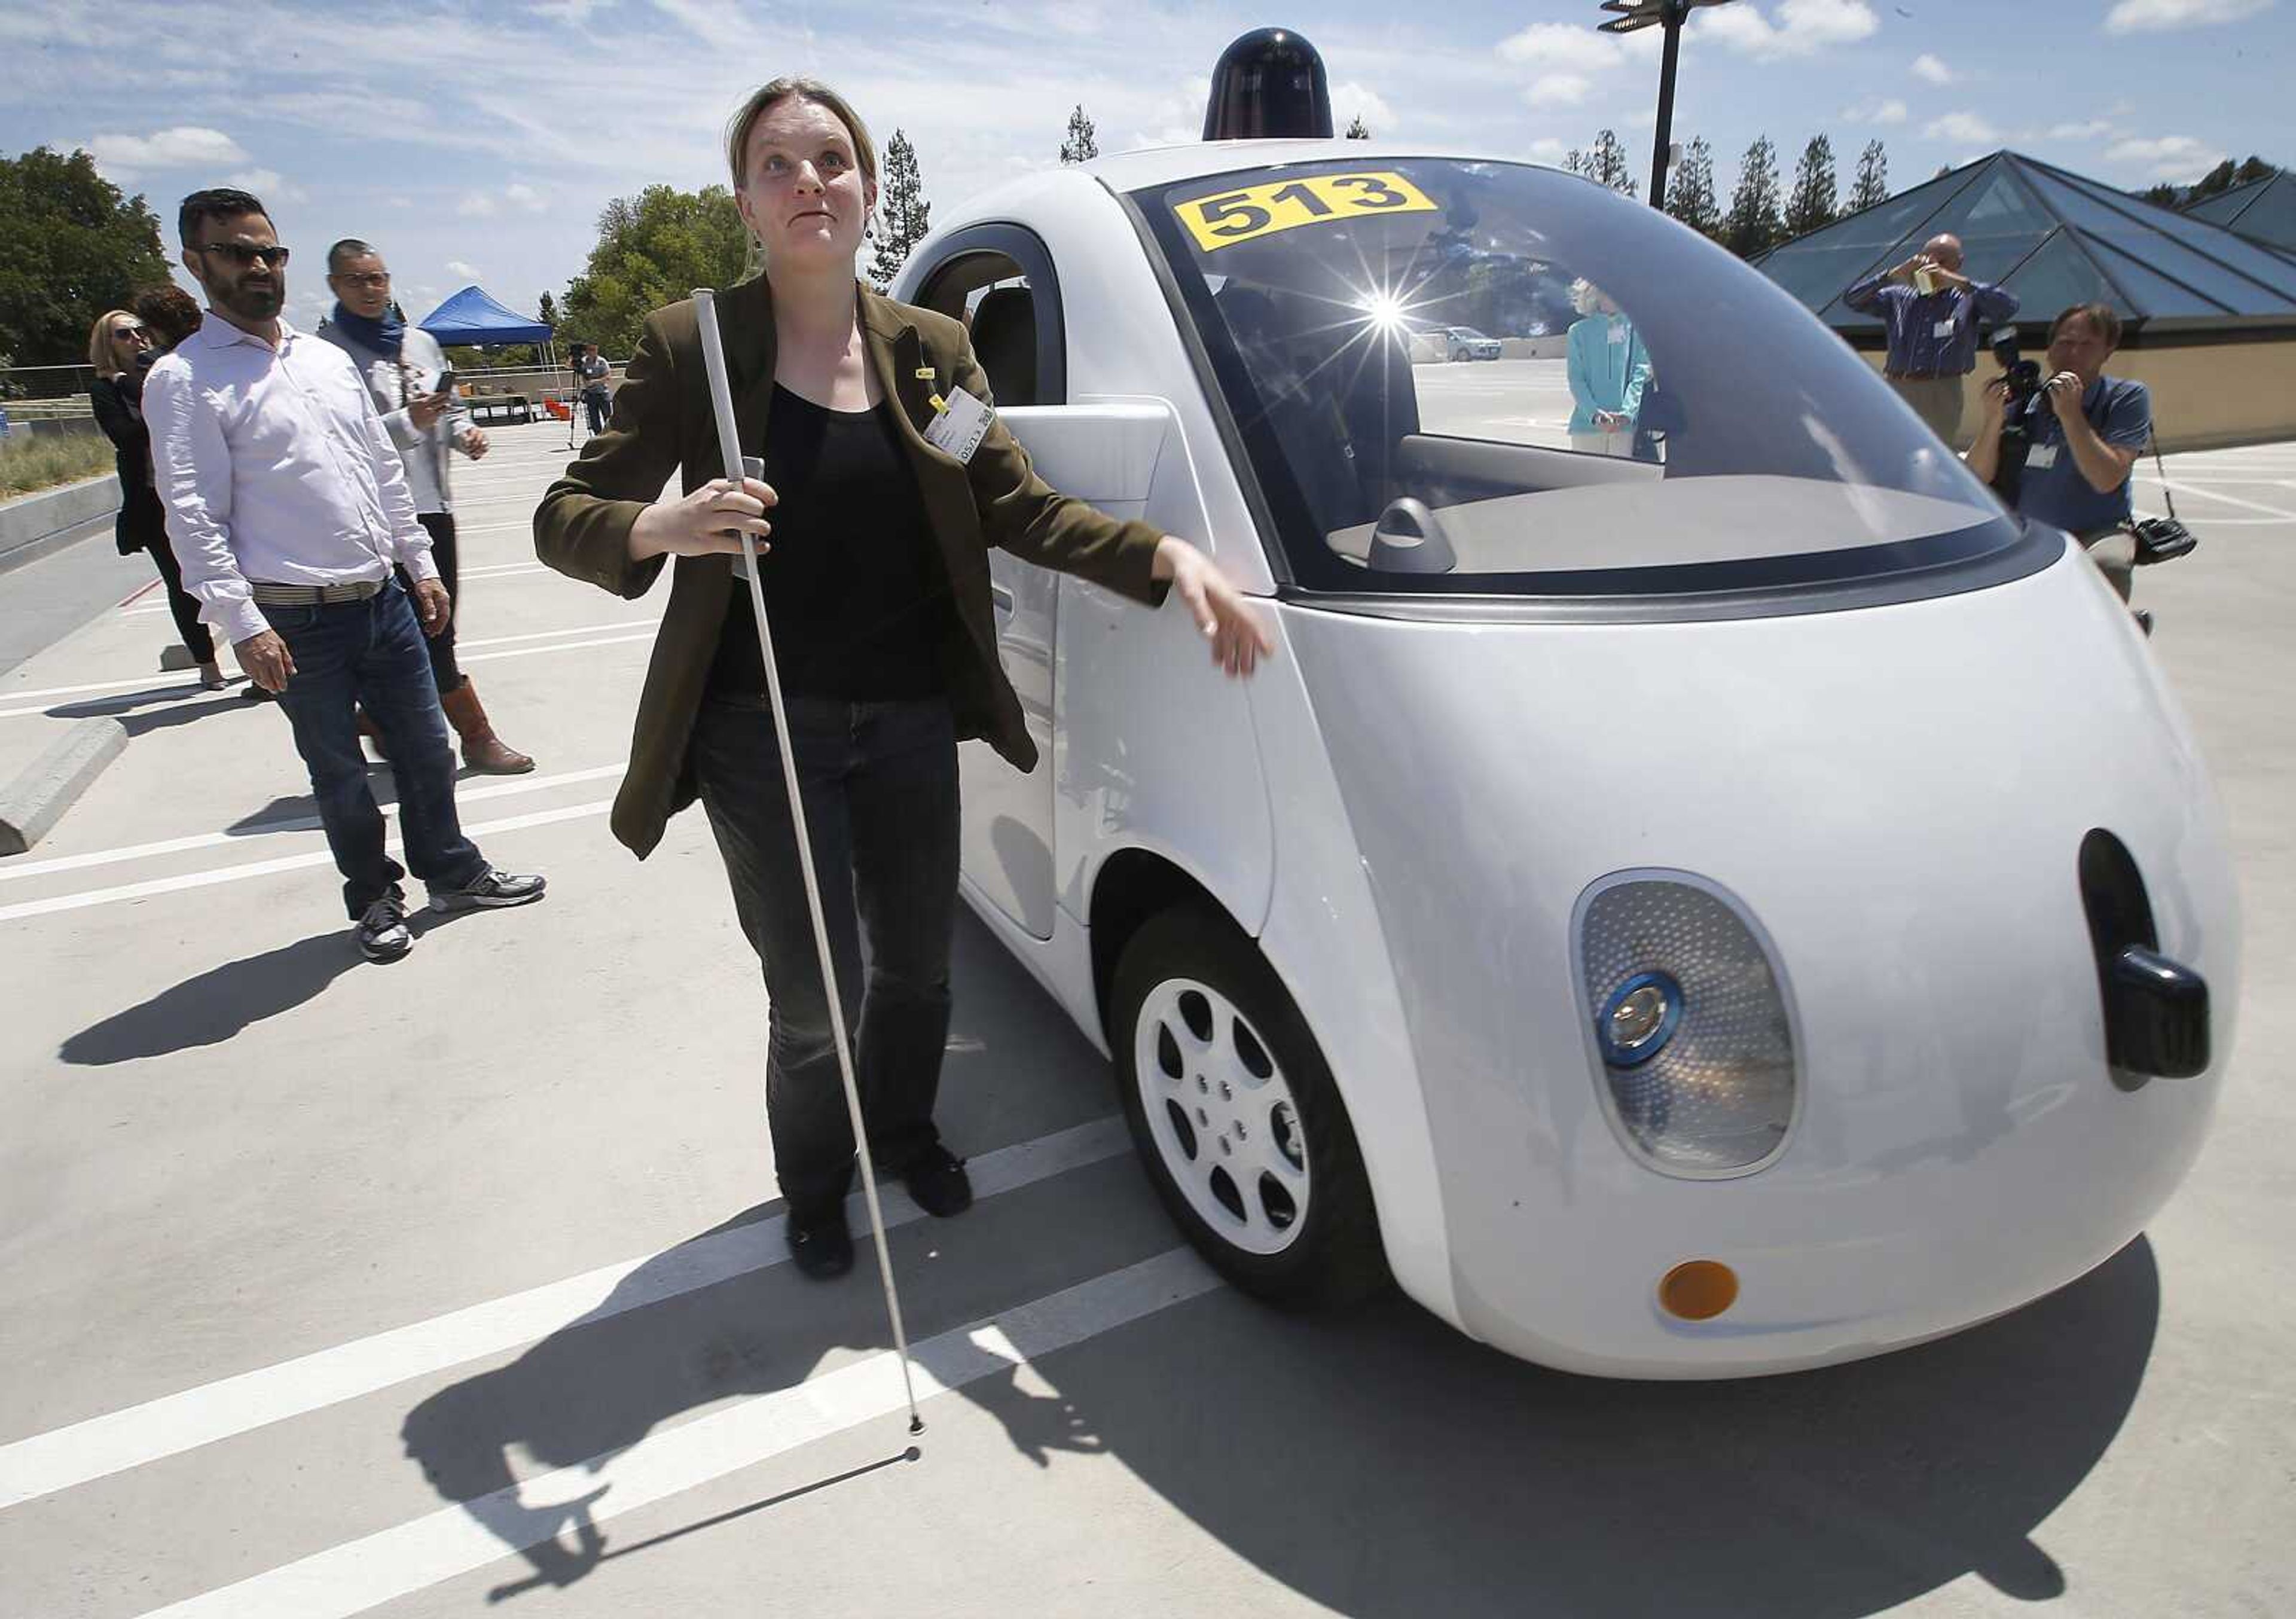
x=1082, y=146
x=1752, y=224
x=1690, y=193
x=1873, y=187
x=2163, y=195
x=548, y=313
x=1358, y=130
x=903, y=214
x=1607, y=165
x=1811, y=207
x=1574, y=161
x=2217, y=179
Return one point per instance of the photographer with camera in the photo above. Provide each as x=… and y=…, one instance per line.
x=1931, y=312
x=2057, y=442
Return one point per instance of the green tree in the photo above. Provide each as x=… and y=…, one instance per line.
x=1358, y=130
x=903, y=214
x=71, y=247
x=1752, y=224
x=1606, y=164
x=1574, y=161
x=548, y=313
x=2254, y=168
x=1873, y=187
x=1083, y=143
x=2217, y=180
x=653, y=249
x=1690, y=190
x=2163, y=195
x=1812, y=205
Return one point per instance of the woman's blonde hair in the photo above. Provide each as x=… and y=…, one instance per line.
x=100, y=357
x=1585, y=296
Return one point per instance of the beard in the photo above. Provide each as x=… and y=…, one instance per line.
x=256, y=302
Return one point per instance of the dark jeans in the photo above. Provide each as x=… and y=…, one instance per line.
x=440, y=527
x=369, y=654
x=182, y=604
x=879, y=781
x=600, y=403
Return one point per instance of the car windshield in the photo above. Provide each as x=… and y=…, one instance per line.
x=1660, y=417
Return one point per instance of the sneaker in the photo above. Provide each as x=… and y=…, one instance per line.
x=381, y=931
x=819, y=1244
x=936, y=1179
x=491, y=890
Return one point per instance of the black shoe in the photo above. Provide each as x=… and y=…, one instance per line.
x=491, y=890
x=936, y=1179
x=381, y=931
x=819, y=1243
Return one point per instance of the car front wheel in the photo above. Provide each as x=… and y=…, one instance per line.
x=1237, y=1118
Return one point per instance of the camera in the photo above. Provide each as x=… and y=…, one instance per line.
x=2022, y=378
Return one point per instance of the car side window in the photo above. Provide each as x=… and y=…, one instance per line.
x=998, y=281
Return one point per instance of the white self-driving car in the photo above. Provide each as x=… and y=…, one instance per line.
x=1731, y=906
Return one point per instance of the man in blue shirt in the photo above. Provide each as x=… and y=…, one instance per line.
x=1931, y=312
x=2087, y=429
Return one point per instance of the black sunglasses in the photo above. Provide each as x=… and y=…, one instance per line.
x=242, y=255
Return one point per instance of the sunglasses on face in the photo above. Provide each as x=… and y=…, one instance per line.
x=126, y=334
x=370, y=278
x=241, y=255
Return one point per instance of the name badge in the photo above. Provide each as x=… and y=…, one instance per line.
x=958, y=431
x=1617, y=334
x=2041, y=456
x=1944, y=328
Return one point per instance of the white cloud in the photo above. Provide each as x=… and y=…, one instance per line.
x=2168, y=157
x=2156, y=16
x=1558, y=90
x=267, y=184
x=1561, y=47
x=1962, y=127
x=1351, y=101
x=476, y=205
x=1928, y=66
x=2088, y=131
x=1549, y=150
x=1803, y=29
x=1891, y=112
x=468, y=272
x=525, y=197
x=184, y=146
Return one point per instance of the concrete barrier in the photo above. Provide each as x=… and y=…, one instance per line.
x=31, y=805
x=31, y=526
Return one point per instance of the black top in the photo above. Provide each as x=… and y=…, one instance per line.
x=119, y=402
x=855, y=593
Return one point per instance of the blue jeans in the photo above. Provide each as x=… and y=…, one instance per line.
x=370, y=654
x=880, y=786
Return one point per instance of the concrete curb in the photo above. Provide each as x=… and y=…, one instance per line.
x=33, y=526
x=31, y=805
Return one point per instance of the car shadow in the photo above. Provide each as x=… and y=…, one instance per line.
x=1375, y=1461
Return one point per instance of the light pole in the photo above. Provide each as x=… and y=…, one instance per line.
x=1669, y=15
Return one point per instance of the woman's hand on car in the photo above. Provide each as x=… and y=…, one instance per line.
x=1222, y=611
x=705, y=523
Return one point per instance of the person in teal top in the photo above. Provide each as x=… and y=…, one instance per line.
x=1609, y=368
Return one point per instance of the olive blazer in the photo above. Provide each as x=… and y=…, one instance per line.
x=662, y=423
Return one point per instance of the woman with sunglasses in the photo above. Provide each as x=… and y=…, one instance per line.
x=119, y=351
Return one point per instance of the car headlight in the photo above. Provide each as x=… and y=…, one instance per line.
x=1692, y=1032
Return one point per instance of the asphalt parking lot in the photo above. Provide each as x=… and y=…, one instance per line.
x=456, y=1287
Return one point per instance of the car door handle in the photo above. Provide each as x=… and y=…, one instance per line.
x=1002, y=596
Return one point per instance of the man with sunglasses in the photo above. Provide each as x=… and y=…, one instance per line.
x=287, y=509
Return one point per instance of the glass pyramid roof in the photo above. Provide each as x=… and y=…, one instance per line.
x=2262, y=210
x=2054, y=239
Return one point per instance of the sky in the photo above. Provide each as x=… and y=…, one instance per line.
x=478, y=143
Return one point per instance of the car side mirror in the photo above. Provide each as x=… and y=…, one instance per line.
x=1410, y=539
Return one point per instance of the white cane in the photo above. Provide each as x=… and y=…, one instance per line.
x=729, y=445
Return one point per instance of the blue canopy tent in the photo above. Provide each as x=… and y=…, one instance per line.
x=472, y=317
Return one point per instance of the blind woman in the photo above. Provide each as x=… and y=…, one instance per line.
x=118, y=351
x=876, y=577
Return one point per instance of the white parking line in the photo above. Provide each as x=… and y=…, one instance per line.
x=2200, y=492
x=363, y=1573
x=259, y=868
x=101, y=1446
x=98, y=687
x=11, y=869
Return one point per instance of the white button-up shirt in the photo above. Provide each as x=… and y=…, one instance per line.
x=275, y=468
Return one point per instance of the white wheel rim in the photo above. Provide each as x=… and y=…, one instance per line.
x=1224, y=1122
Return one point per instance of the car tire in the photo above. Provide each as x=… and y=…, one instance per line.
x=1222, y=1082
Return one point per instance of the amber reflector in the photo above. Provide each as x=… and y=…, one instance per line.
x=1699, y=1289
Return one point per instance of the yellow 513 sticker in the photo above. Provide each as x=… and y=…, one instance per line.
x=1281, y=205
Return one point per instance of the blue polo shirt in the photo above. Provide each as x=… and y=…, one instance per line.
x=1935, y=332
x=2053, y=490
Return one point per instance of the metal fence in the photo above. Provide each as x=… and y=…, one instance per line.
x=32, y=393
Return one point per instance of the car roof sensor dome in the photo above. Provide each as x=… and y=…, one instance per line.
x=1269, y=85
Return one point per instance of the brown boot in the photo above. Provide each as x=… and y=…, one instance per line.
x=482, y=750
x=373, y=735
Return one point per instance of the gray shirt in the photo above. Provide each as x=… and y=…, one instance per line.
x=392, y=383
